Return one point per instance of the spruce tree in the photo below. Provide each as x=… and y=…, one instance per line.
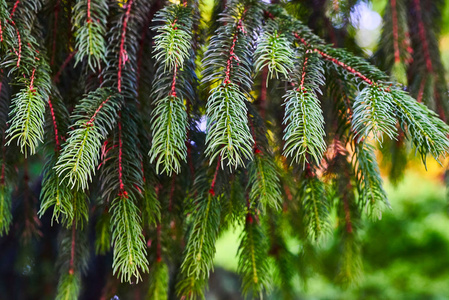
x=102, y=110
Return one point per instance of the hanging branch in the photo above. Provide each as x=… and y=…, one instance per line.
x=304, y=131
x=252, y=252
x=89, y=21
x=73, y=260
x=94, y=117
x=169, y=118
x=227, y=63
x=200, y=249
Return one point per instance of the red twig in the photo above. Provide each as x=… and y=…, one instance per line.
x=55, y=126
x=122, y=191
x=14, y=8
x=394, y=16
x=249, y=215
x=251, y=125
x=232, y=53
x=89, y=18
x=1, y=31
x=173, y=84
x=336, y=61
x=19, y=40
x=212, y=186
x=122, y=58
x=55, y=25
x=64, y=65
x=421, y=90
x=303, y=74
x=32, y=80
x=72, y=249
x=92, y=119
x=422, y=35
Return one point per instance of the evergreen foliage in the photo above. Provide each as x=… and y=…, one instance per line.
x=115, y=97
x=89, y=22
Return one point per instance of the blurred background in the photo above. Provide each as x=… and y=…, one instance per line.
x=406, y=253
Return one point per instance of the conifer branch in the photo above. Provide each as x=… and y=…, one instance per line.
x=369, y=182
x=227, y=62
x=228, y=133
x=28, y=108
x=169, y=118
x=200, y=249
x=304, y=131
x=89, y=20
x=127, y=238
x=274, y=52
x=428, y=133
x=174, y=36
x=264, y=181
x=316, y=206
x=5, y=208
x=159, y=278
x=253, y=265
x=373, y=114
x=94, y=117
x=56, y=195
x=121, y=175
x=72, y=259
x=103, y=234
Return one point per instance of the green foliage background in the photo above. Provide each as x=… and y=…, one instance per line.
x=405, y=255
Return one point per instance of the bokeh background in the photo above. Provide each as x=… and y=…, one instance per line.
x=406, y=253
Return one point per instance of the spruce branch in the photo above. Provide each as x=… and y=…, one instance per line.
x=72, y=262
x=122, y=186
x=274, y=52
x=28, y=109
x=94, y=118
x=394, y=45
x=159, y=278
x=169, y=128
x=228, y=134
x=369, y=183
x=200, y=250
x=56, y=195
x=316, y=207
x=5, y=209
x=129, y=249
x=428, y=133
x=264, y=181
x=69, y=287
x=253, y=265
x=151, y=208
x=169, y=118
x=173, y=40
x=304, y=133
x=228, y=63
x=103, y=234
x=373, y=114
x=89, y=19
